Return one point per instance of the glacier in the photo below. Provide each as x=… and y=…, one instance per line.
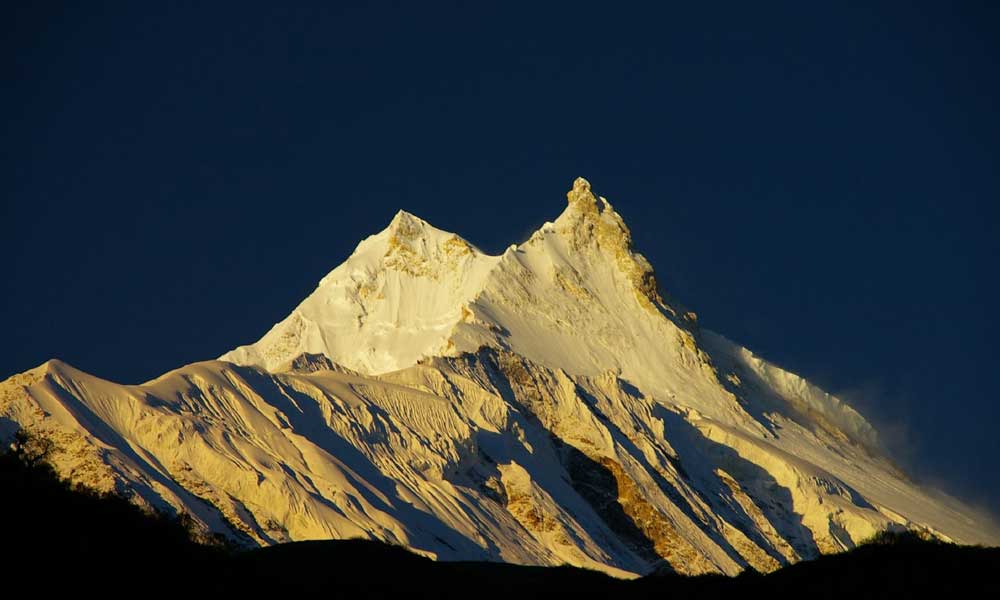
x=550, y=405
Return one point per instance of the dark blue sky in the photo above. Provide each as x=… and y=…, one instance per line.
x=818, y=183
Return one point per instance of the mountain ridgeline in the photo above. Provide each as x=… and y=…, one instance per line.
x=548, y=406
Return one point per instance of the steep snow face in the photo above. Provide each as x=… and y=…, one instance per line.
x=576, y=297
x=545, y=406
x=393, y=302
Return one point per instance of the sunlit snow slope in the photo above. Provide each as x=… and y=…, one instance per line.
x=545, y=406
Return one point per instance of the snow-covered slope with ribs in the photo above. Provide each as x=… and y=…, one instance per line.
x=394, y=301
x=545, y=406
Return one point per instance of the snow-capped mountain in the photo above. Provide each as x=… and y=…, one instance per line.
x=545, y=406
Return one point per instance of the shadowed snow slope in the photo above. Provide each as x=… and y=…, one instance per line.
x=545, y=406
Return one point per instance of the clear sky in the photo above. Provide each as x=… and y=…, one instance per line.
x=819, y=183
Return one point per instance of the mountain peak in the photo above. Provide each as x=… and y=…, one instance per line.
x=405, y=216
x=407, y=224
x=582, y=200
x=580, y=194
x=412, y=237
x=590, y=218
x=591, y=221
x=585, y=208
